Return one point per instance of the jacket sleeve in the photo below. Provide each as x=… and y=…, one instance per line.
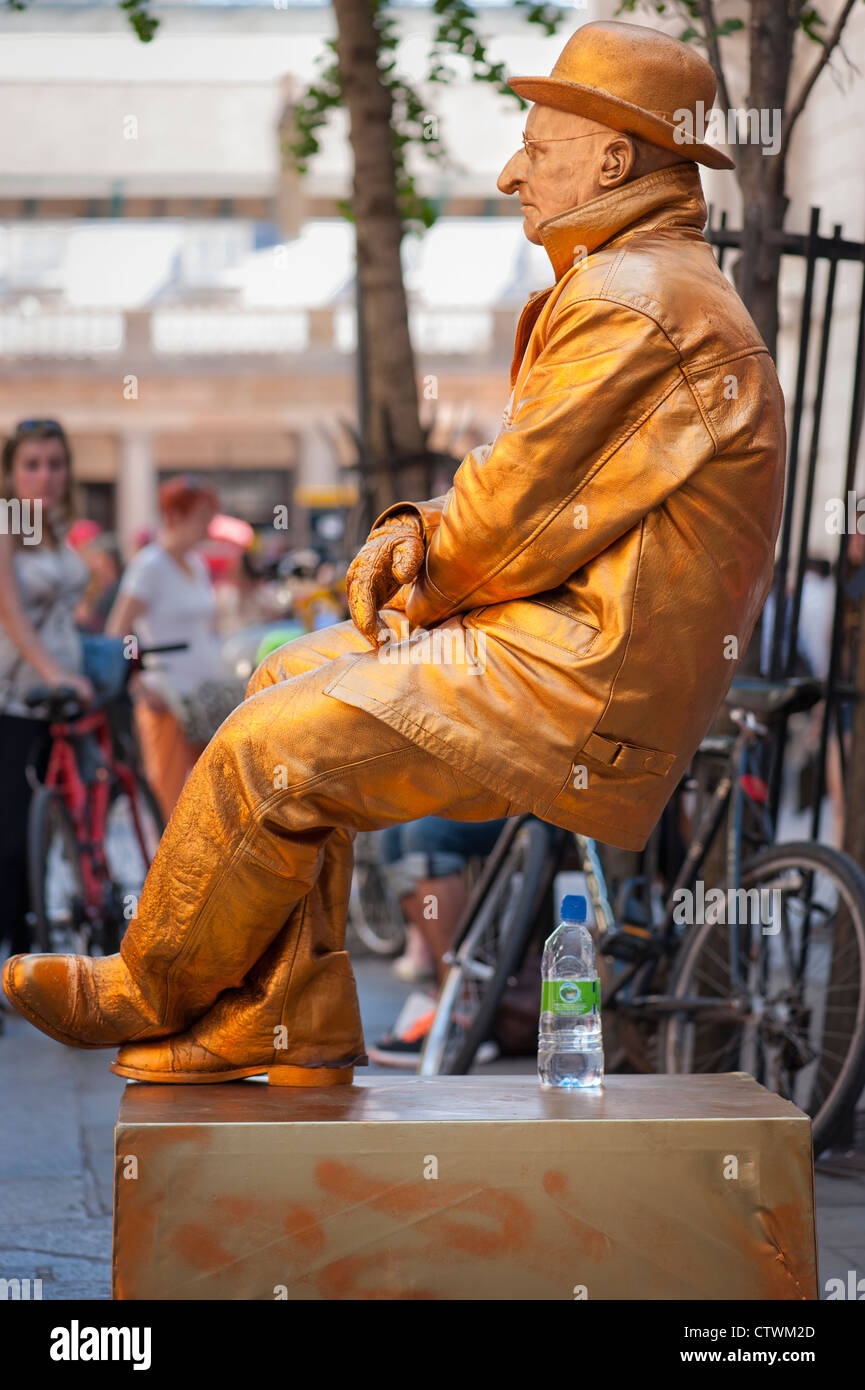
x=428, y=513
x=556, y=487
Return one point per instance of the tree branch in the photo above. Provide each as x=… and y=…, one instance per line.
x=829, y=47
x=707, y=12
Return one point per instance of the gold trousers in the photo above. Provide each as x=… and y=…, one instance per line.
x=251, y=878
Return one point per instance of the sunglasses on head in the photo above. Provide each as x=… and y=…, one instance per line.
x=24, y=425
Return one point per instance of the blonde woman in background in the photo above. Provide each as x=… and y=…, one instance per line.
x=41, y=583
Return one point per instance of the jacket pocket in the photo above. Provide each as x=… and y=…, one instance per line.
x=534, y=621
x=626, y=757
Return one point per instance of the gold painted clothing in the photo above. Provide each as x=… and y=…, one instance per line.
x=611, y=549
x=255, y=863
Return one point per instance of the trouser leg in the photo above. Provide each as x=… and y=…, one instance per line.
x=249, y=833
x=297, y=1007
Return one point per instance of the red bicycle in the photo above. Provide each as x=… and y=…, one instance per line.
x=93, y=826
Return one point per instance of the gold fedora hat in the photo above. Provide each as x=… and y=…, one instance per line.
x=635, y=80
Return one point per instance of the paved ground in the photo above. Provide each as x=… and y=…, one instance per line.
x=58, y=1108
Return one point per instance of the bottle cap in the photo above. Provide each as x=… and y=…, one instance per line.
x=574, y=908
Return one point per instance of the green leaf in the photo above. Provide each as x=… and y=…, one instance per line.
x=455, y=44
x=140, y=18
x=808, y=23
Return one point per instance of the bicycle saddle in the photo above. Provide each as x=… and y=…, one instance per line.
x=59, y=698
x=773, y=700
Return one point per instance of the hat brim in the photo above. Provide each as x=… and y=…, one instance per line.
x=619, y=115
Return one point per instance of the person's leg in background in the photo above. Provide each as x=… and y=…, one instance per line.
x=244, y=847
x=166, y=754
x=443, y=847
x=22, y=741
x=435, y=854
x=416, y=962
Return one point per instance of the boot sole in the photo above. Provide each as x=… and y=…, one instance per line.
x=276, y=1076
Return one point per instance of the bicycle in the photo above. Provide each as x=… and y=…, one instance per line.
x=93, y=825
x=375, y=918
x=782, y=999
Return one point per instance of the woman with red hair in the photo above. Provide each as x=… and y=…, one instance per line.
x=166, y=596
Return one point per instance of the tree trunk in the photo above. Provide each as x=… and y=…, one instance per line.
x=771, y=33
x=390, y=417
x=845, y=991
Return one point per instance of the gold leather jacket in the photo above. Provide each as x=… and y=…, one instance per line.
x=602, y=562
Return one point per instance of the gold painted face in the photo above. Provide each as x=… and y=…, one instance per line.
x=556, y=168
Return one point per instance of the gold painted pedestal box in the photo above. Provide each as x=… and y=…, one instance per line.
x=658, y=1187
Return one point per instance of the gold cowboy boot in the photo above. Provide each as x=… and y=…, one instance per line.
x=265, y=1027
x=83, y=1001
x=186, y=944
x=296, y=1016
x=170, y=970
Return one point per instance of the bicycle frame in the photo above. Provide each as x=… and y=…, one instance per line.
x=664, y=938
x=481, y=887
x=82, y=770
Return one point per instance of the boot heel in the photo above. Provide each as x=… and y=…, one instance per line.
x=310, y=1076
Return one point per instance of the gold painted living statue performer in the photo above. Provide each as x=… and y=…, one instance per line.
x=607, y=554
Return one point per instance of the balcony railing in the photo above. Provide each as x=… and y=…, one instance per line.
x=218, y=331
x=60, y=334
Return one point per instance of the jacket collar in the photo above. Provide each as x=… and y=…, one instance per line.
x=671, y=197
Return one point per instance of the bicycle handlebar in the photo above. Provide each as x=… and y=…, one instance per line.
x=60, y=698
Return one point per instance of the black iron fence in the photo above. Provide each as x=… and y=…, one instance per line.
x=822, y=256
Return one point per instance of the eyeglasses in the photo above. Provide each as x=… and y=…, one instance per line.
x=556, y=140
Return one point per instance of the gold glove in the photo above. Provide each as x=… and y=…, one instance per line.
x=390, y=559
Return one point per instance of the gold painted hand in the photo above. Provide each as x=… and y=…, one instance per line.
x=391, y=558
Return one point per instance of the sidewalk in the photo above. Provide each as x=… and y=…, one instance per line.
x=56, y=1158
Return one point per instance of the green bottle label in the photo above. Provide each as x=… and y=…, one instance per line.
x=570, y=996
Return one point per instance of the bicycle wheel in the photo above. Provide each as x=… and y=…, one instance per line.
x=489, y=952
x=798, y=1022
x=133, y=829
x=374, y=914
x=57, y=893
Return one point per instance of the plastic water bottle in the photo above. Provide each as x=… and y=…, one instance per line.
x=570, y=1049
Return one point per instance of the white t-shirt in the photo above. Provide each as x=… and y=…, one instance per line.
x=180, y=608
